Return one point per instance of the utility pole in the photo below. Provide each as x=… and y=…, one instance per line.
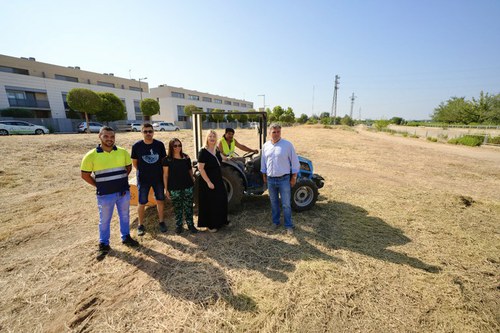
x=312, y=111
x=334, y=101
x=352, y=103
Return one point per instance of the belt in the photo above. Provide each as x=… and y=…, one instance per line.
x=279, y=176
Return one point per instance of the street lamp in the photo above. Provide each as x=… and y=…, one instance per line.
x=140, y=89
x=140, y=86
x=263, y=95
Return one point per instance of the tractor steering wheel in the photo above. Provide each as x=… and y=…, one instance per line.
x=249, y=154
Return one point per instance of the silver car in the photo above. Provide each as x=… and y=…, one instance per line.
x=94, y=127
x=21, y=127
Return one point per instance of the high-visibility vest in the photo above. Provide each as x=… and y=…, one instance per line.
x=226, y=150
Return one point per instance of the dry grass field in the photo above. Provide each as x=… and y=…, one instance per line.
x=405, y=237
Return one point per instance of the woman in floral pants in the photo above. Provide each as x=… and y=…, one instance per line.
x=178, y=181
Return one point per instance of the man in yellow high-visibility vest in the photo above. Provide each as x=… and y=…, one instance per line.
x=228, y=143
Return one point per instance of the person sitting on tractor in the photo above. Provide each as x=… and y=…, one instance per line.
x=228, y=143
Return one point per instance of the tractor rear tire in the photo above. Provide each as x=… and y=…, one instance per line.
x=234, y=187
x=304, y=195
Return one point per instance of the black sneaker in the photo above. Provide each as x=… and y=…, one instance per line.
x=193, y=229
x=141, y=230
x=163, y=227
x=103, y=251
x=179, y=229
x=103, y=248
x=129, y=241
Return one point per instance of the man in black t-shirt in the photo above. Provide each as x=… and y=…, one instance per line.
x=147, y=156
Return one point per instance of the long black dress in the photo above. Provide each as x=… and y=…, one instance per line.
x=212, y=212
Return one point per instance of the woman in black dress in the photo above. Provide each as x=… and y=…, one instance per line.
x=212, y=196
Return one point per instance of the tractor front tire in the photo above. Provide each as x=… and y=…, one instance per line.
x=304, y=195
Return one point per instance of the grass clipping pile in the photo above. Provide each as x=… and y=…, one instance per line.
x=404, y=237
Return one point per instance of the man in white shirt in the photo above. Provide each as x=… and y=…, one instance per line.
x=279, y=166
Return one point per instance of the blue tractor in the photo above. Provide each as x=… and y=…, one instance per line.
x=245, y=178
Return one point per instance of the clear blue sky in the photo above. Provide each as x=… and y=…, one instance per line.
x=399, y=57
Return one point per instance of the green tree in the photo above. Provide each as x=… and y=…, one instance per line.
x=189, y=109
x=252, y=117
x=149, y=107
x=302, y=119
x=324, y=115
x=230, y=117
x=242, y=118
x=397, y=121
x=346, y=120
x=217, y=115
x=276, y=113
x=112, y=108
x=84, y=100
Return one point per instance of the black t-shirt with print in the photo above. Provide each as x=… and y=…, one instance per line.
x=149, y=157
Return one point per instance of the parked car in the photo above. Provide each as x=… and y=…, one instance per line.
x=162, y=126
x=94, y=127
x=21, y=127
x=135, y=127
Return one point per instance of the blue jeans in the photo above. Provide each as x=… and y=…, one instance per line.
x=106, y=204
x=280, y=187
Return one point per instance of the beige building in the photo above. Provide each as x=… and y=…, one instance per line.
x=173, y=100
x=41, y=87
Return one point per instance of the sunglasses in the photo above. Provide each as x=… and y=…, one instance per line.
x=177, y=145
x=147, y=132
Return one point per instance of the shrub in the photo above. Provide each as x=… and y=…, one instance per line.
x=381, y=124
x=495, y=140
x=414, y=136
x=404, y=134
x=430, y=138
x=468, y=140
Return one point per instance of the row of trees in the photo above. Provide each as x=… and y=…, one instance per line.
x=105, y=106
x=484, y=110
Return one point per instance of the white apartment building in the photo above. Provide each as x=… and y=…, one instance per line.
x=41, y=87
x=173, y=100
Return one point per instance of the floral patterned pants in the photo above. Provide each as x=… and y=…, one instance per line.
x=182, y=201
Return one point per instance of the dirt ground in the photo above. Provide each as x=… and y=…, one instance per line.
x=405, y=237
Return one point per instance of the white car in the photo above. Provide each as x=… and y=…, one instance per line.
x=94, y=127
x=135, y=127
x=162, y=126
x=21, y=127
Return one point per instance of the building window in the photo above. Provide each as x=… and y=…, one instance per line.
x=64, y=96
x=236, y=104
x=65, y=78
x=194, y=97
x=177, y=94
x=137, y=110
x=134, y=88
x=27, y=99
x=14, y=70
x=227, y=102
x=207, y=99
x=243, y=105
x=250, y=106
x=181, y=116
x=218, y=101
x=105, y=84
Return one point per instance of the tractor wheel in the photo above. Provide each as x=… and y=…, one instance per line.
x=304, y=195
x=234, y=187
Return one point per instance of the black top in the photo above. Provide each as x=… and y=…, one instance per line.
x=178, y=173
x=149, y=157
